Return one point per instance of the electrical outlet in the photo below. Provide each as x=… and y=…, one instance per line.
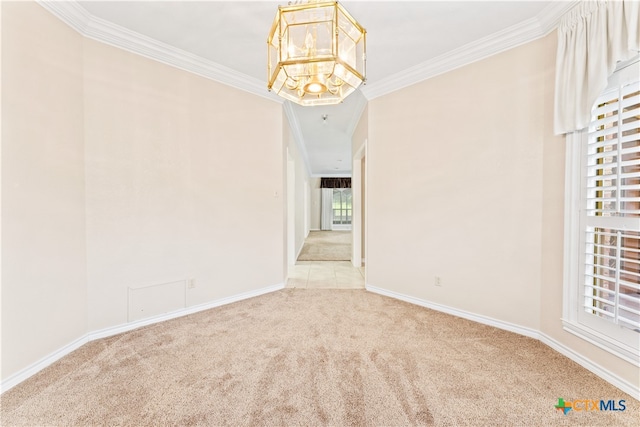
x=192, y=283
x=437, y=281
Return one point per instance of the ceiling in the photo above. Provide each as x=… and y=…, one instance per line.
x=407, y=41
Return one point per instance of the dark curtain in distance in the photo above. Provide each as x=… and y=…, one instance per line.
x=335, y=182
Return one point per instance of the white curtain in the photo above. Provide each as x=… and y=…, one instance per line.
x=326, y=220
x=592, y=37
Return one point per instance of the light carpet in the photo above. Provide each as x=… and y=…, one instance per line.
x=311, y=357
x=326, y=246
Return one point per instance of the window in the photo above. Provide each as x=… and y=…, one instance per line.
x=342, y=206
x=602, y=284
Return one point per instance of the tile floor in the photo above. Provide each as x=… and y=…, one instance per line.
x=325, y=274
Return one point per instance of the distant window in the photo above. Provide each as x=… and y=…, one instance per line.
x=603, y=281
x=342, y=206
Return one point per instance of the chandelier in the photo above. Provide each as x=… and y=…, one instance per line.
x=316, y=53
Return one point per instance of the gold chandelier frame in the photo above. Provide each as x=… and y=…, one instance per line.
x=311, y=70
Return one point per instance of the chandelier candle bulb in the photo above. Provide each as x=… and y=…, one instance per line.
x=316, y=53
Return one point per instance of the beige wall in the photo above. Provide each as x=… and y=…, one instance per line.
x=363, y=207
x=361, y=132
x=358, y=150
x=43, y=187
x=316, y=203
x=455, y=187
x=301, y=190
x=181, y=178
x=466, y=182
x=184, y=181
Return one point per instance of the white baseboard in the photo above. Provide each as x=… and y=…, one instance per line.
x=511, y=327
x=598, y=370
x=603, y=373
x=115, y=330
x=33, y=369
x=299, y=251
x=18, y=377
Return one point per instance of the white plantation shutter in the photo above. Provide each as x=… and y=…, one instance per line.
x=611, y=205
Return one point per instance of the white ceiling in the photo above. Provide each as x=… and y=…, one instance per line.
x=406, y=41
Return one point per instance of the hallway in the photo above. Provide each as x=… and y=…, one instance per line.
x=325, y=275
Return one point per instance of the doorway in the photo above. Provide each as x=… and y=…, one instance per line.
x=359, y=196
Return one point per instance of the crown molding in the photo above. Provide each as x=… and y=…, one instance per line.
x=516, y=35
x=74, y=15
x=69, y=12
x=467, y=54
x=79, y=19
x=298, y=135
x=550, y=16
x=106, y=32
